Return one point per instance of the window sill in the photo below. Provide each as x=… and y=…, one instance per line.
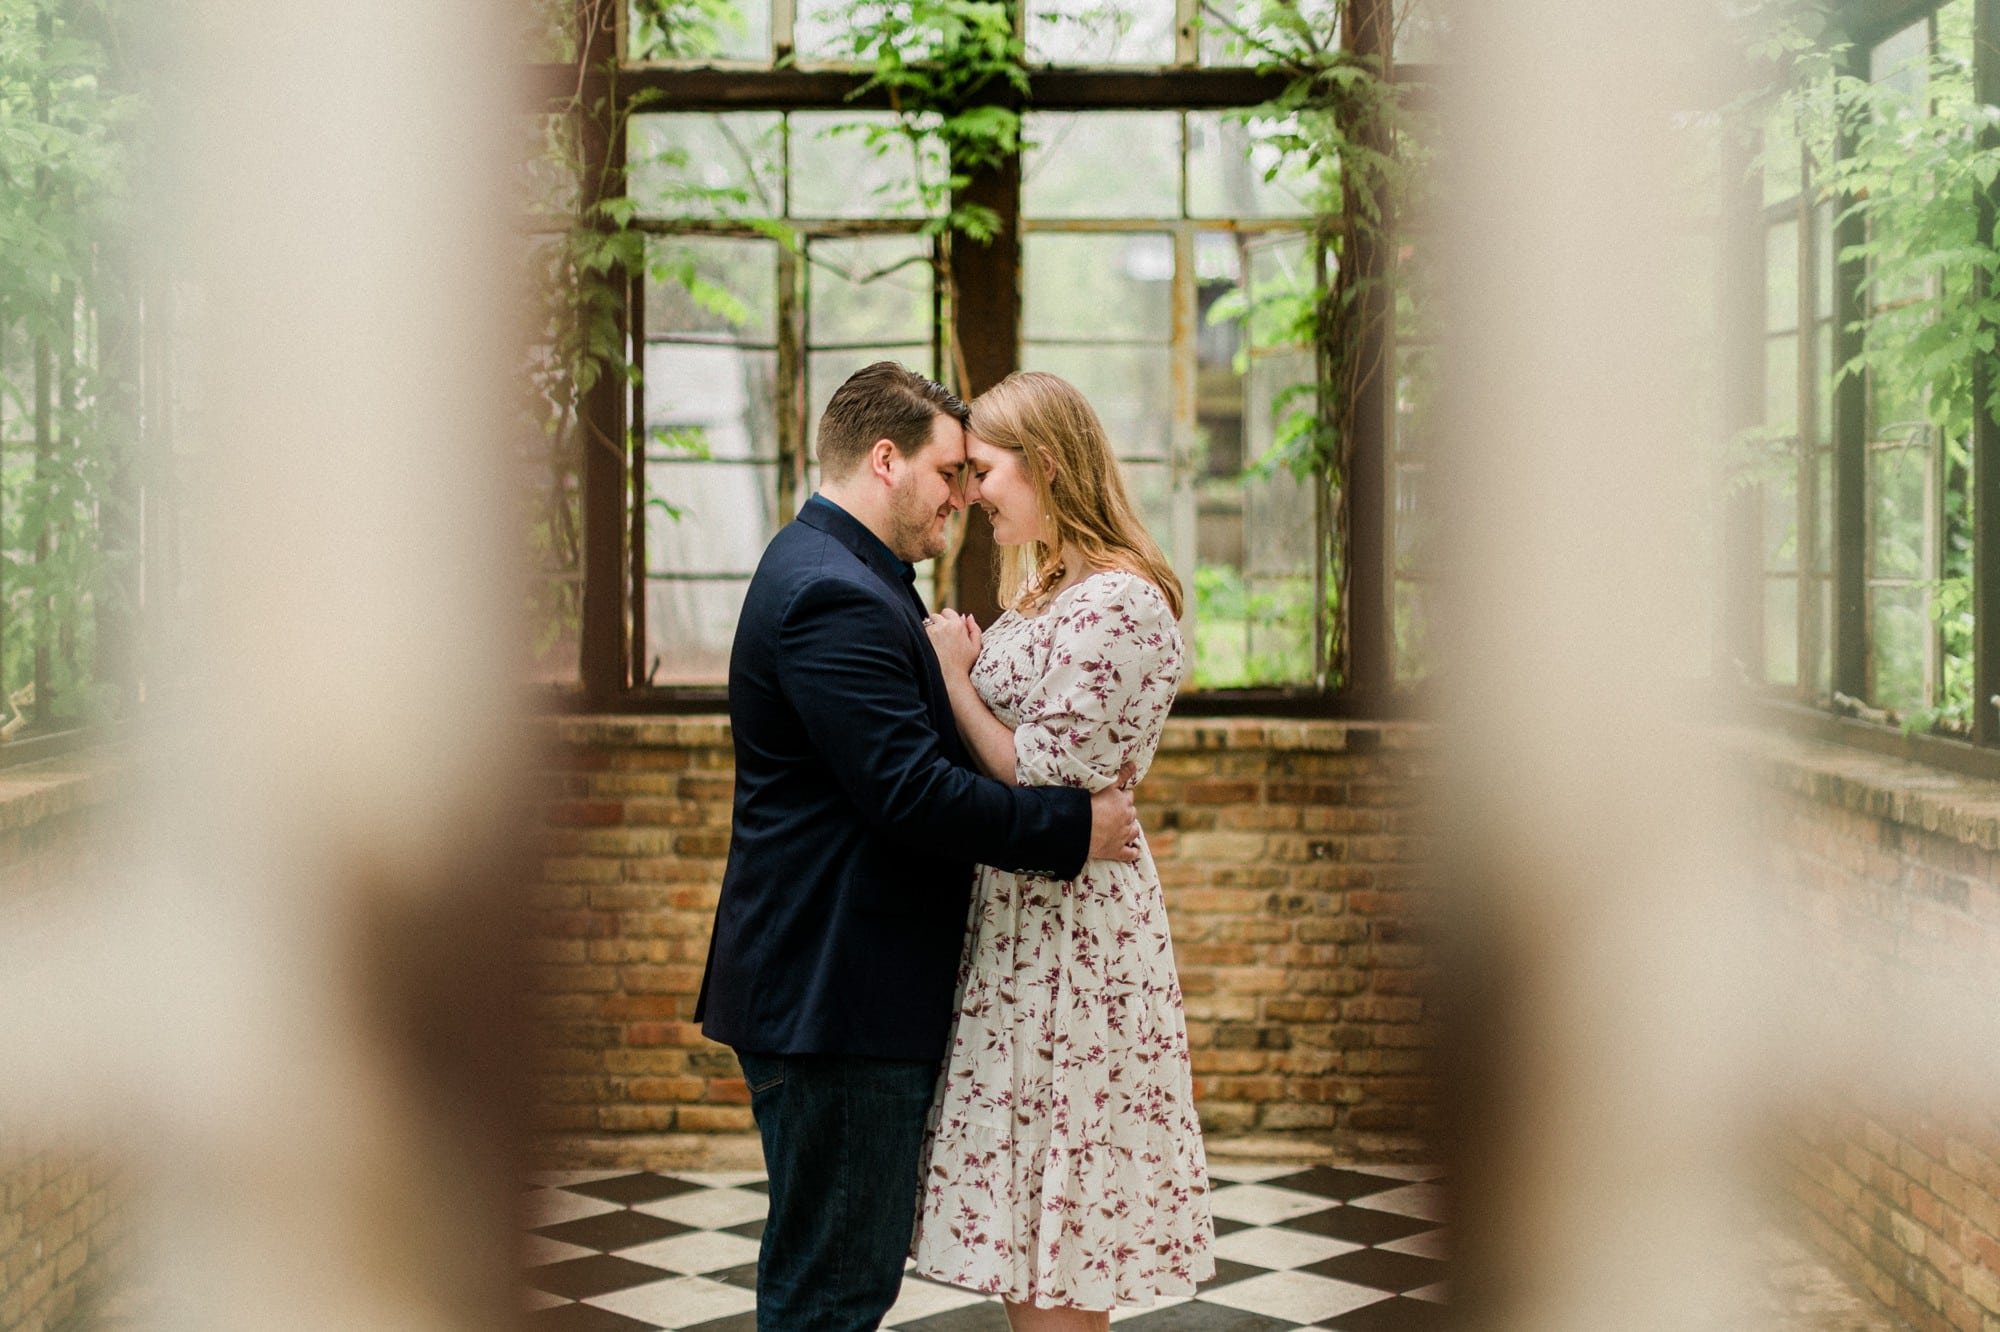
x=1916, y=795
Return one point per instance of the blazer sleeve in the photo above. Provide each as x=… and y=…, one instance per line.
x=845, y=665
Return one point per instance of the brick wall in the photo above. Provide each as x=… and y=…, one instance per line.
x=1891, y=874
x=1292, y=865
x=61, y=1222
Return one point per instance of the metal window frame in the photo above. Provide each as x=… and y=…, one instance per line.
x=1868, y=22
x=988, y=334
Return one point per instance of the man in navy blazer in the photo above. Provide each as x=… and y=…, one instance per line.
x=857, y=822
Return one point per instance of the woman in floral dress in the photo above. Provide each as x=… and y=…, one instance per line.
x=1064, y=1168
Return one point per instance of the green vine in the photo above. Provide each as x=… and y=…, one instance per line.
x=1909, y=163
x=1341, y=120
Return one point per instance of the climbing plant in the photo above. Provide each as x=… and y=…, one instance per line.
x=68, y=417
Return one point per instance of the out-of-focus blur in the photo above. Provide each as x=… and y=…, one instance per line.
x=1583, y=804
x=277, y=990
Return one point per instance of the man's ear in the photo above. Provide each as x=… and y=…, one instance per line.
x=882, y=458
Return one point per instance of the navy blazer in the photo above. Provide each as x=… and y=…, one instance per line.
x=857, y=819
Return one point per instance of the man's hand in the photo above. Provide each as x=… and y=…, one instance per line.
x=1114, y=823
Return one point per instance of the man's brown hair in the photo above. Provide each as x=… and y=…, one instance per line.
x=881, y=401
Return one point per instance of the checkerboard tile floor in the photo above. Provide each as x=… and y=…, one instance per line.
x=1332, y=1249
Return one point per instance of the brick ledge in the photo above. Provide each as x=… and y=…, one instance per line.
x=1965, y=809
x=34, y=792
x=1183, y=734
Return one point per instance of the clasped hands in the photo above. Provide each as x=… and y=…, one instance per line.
x=1114, y=820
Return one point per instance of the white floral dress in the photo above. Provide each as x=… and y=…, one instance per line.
x=1064, y=1160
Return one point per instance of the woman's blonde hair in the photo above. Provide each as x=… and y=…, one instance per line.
x=1054, y=432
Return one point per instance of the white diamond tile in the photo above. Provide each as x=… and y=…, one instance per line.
x=921, y=1299
x=532, y=1300
x=1429, y=1244
x=1299, y=1296
x=1261, y=1205
x=694, y=1253
x=1437, y=1293
x=1276, y=1249
x=678, y=1302
x=1423, y=1201
x=709, y=1209
x=1236, y=1173
x=717, y=1179
x=545, y=1207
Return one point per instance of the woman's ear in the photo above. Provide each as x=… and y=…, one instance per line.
x=1048, y=461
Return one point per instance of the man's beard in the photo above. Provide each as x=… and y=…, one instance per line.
x=911, y=533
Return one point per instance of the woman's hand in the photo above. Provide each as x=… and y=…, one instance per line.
x=955, y=638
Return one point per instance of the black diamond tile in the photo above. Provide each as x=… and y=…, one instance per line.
x=644, y=1186
x=1397, y=1315
x=1400, y=1272
x=756, y=1186
x=610, y=1231
x=1195, y=1316
x=599, y=1274
x=743, y=1322
x=1358, y=1225
x=748, y=1229
x=1330, y=1182
x=988, y=1317
x=744, y=1276
x=1227, y=1271
x=583, y=1318
x=1224, y=1226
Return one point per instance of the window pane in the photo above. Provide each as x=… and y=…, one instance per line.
x=1415, y=522
x=1228, y=162
x=1826, y=261
x=1230, y=32
x=1899, y=61
x=1823, y=372
x=869, y=289
x=1898, y=631
x=1281, y=286
x=1280, y=623
x=1278, y=524
x=714, y=287
x=1218, y=410
x=1781, y=383
x=721, y=515
x=545, y=177
x=837, y=173
x=1782, y=173
x=712, y=30
x=828, y=370
x=1781, y=524
x=1131, y=388
x=1823, y=542
x=1278, y=389
x=1822, y=656
x=1416, y=399
x=1413, y=624
x=1097, y=287
x=701, y=166
x=1781, y=276
x=1150, y=488
x=1781, y=631
x=689, y=627
x=710, y=402
x=1100, y=32
x=1101, y=164
x=1898, y=488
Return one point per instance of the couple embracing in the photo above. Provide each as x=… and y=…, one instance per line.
x=941, y=952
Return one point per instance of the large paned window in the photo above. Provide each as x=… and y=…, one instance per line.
x=1868, y=602
x=1157, y=248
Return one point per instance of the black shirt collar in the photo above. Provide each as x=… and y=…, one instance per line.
x=828, y=517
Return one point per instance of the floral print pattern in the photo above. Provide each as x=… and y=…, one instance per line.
x=1063, y=1161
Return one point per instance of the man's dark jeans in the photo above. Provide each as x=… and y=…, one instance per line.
x=841, y=1138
